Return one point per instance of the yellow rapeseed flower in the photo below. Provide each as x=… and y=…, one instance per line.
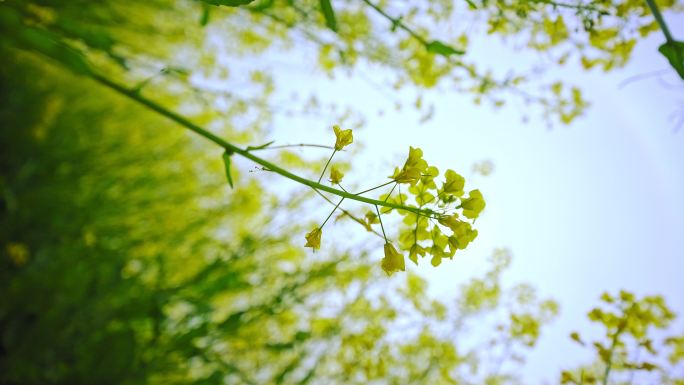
x=413, y=168
x=344, y=137
x=454, y=183
x=393, y=261
x=473, y=205
x=313, y=238
x=335, y=175
x=18, y=253
x=406, y=175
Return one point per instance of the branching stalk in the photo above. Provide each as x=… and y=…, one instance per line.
x=326, y=165
x=292, y=145
x=397, y=22
x=348, y=214
x=613, y=346
x=661, y=22
x=179, y=119
x=374, y=188
x=331, y=213
x=381, y=226
x=579, y=7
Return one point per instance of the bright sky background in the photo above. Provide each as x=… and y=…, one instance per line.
x=595, y=206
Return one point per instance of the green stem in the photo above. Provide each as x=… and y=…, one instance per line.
x=381, y=226
x=415, y=231
x=244, y=153
x=661, y=22
x=326, y=165
x=397, y=22
x=347, y=213
x=374, y=188
x=613, y=345
x=579, y=7
x=293, y=145
x=331, y=213
x=391, y=191
x=401, y=200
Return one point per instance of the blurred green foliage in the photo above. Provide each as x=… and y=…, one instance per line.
x=125, y=259
x=636, y=347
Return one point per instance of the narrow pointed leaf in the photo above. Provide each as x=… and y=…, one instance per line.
x=329, y=14
x=440, y=48
x=204, y=20
x=226, y=163
x=263, y=5
x=674, y=52
x=228, y=3
x=261, y=147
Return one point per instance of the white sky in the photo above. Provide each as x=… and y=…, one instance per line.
x=595, y=206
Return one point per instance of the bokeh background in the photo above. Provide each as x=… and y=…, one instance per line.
x=127, y=258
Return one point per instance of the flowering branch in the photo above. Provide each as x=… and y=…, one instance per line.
x=233, y=149
x=415, y=172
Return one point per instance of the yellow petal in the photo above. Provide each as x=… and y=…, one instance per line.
x=393, y=261
x=313, y=239
x=343, y=137
x=335, y=175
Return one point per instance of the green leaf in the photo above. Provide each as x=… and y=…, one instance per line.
x=49, y=45
x=440, y=48
x=674, y=52
x=329, y=15
x=228, y=3
x=471, y=4
x=395, y=24
x=226, y=163
x=263, y=5
x=93, y=36
x=204, y=19
x=41, y=41
x=288, y=369
x=261, y=147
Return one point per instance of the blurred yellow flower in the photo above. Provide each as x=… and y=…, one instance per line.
x=335, y=175
x=18, y=253
x=371, y=219
x=454, y=183
x=393, y=261
x=344, y=137
x=406, y=175
x=413, y=168
x=473, y=205
x=313, y=238
x=415, y=251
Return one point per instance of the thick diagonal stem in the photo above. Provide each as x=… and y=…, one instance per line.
x=661, y=22
x=136, y=96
